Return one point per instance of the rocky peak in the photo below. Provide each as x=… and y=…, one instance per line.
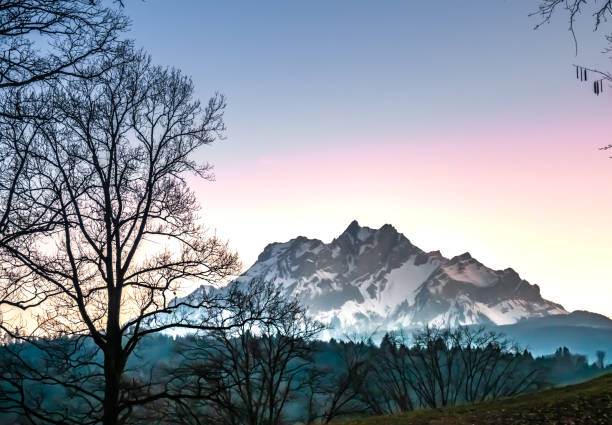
x=465, y=257
x=352, y=229
x=375, y=278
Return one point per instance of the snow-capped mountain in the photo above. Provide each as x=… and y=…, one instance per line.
x=374, y=279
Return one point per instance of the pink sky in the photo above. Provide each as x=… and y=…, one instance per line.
x=536, y=199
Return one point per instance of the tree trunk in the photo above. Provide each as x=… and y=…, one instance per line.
x=112, y=377
x=113, y=361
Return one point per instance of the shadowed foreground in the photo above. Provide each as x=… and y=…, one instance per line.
x=586, y=403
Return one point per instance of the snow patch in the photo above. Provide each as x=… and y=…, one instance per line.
x=472, y=273
x=364, y=233
x=403, y=282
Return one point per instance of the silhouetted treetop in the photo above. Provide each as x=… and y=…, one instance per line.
x=42, y=39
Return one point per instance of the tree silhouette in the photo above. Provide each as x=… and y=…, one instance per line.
x=574, y=9
x=111, y=238
x=43, y=41
x=249, y=373
x=601, y=13
x=47, y=39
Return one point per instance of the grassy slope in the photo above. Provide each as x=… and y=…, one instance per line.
x=586, y=403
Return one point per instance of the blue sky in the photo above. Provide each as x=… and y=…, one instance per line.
x=359, y=68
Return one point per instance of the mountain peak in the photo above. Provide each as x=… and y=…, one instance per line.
x=353, y=228
x=356, y=234
x=462, y=257
x=388, y=228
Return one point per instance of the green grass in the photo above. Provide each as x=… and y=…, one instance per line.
x=586, y=403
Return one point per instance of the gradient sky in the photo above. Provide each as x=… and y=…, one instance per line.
x=454, y=121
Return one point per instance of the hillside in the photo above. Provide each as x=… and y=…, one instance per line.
x=586, y=403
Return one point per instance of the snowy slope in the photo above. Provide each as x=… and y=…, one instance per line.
x=368, y=279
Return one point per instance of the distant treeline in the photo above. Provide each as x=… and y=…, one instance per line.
x=283, y=375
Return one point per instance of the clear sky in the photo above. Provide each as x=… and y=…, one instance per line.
x=454, y=121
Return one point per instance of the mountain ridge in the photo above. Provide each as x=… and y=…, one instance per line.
x=368, y=279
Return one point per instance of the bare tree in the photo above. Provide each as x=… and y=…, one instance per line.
x=601, y=13
x=247, y=374
x=117, y=238
x=313, y=390
x=42, y=41
x=466, y=364
x=433, y=357
x=17, y=137
x=345, y=385
x=444, y=367
x=492, y=365
x=47, y=39
x=392, y=383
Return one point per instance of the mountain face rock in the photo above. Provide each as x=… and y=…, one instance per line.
x=373, y=279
